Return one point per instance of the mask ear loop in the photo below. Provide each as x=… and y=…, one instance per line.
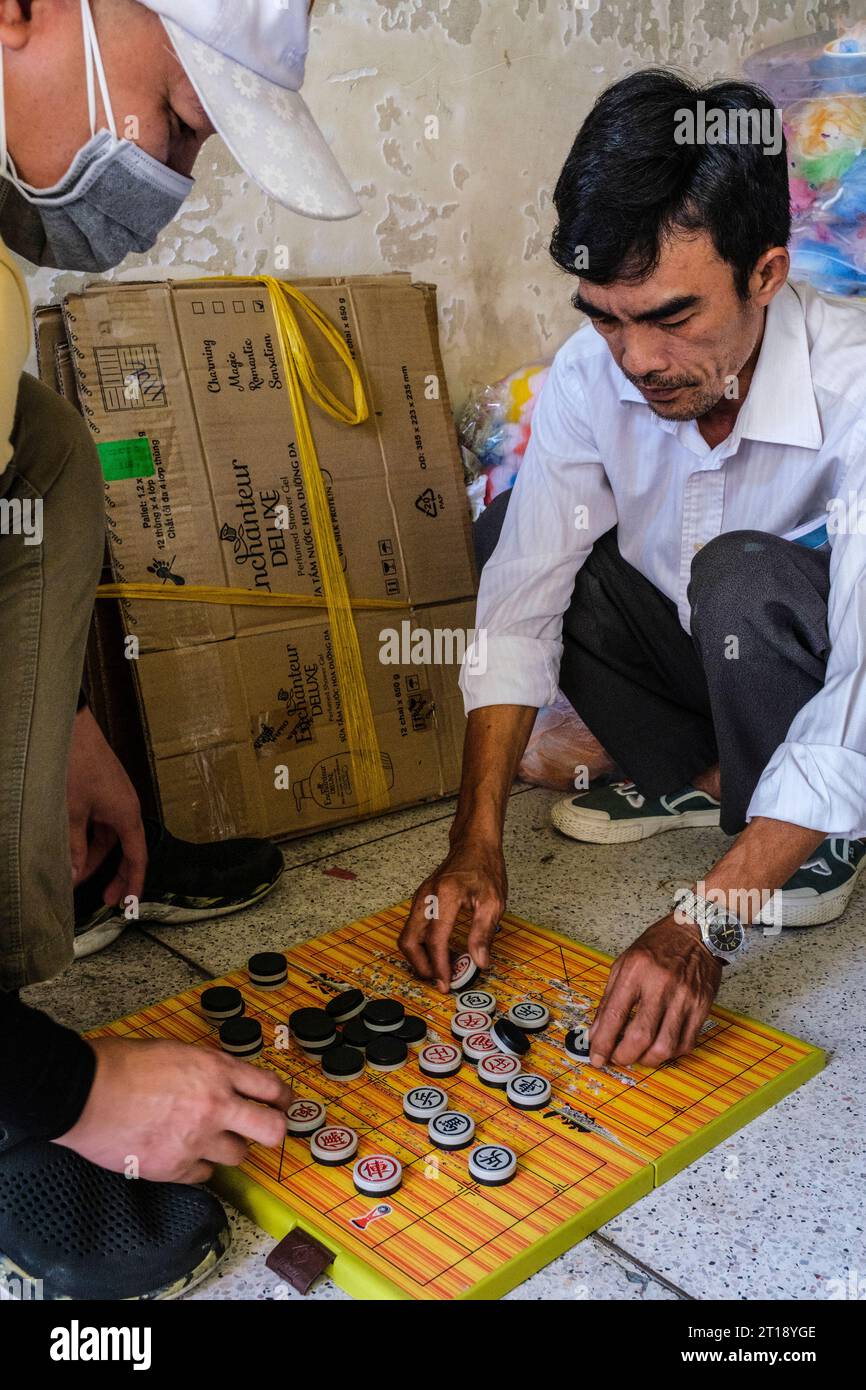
x=95, y=71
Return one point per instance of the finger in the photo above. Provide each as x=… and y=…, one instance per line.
x=612, y=1017
x=78, y=848
x=102, y=842
x=439, y=931
x=129, y=880
x=227, y=1149
x=257, y=1083
x=667, y=1039
x=257, y=1123
x=608, y=991
x=485, y=918
x=412, y=941
x=641, y=1031
x=692, y=1026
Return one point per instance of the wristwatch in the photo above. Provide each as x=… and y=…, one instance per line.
x=721, y=931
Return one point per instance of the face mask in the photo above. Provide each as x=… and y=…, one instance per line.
x=114, y=198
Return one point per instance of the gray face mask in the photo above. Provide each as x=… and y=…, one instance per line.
x=114, y=198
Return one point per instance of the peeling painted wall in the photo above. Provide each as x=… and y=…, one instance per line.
x=468, y=204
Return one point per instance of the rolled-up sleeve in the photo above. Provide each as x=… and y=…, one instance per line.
x=561, y=504
x=817, y=777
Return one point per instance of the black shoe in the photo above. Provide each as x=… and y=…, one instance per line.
x=184, y=882
x=76, y=1231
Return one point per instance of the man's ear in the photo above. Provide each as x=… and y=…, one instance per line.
x=15, y=22
x=769, y=275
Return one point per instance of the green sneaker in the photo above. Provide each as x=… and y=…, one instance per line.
x=614, y=814
x=820, y=889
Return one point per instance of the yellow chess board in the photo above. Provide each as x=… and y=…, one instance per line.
x=606, y=1138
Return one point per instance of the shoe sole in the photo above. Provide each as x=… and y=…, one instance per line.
x=816, y=911
x=596, y=830
x=172, y=914
x=178, y=1288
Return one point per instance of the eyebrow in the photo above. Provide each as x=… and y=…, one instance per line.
x=664, y=311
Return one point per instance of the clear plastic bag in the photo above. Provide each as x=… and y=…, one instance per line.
x=494, y=427
x=819, y=82
x=561, y=753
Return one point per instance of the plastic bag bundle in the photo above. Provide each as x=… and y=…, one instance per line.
x=561, y=753
x=820, y=85
x=494, y=428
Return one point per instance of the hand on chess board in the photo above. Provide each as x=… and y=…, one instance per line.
x=658, y=995
x=168, y=1112
x=472, y=877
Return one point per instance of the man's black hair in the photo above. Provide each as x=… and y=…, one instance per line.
x=627, y=182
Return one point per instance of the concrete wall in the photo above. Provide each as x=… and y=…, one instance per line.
x=509, y=82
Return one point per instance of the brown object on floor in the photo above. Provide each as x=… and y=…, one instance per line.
x=299, y=1259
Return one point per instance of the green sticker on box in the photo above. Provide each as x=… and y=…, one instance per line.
x=126, y=458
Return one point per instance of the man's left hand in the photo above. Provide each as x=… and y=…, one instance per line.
x=659, y=993
x=103, y=808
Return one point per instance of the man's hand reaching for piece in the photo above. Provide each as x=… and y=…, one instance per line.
x=175, y=1109
x=471, y=877
x=658, y=995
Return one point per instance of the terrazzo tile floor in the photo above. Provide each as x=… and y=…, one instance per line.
x=776, y=1212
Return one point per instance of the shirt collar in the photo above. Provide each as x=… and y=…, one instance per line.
x=780, y=407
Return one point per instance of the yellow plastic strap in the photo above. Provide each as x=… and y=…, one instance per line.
x=213, y=593
x=362, y=744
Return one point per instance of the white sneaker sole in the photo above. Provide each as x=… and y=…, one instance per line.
x=97, y=938
x=815, y=910
x=598, y=829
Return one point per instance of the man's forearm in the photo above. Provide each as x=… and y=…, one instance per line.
x=761, y=859
x=496, y=737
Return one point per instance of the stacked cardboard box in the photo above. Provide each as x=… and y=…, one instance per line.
x=239, y=707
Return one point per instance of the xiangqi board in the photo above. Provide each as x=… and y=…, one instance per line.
x=604, y=1138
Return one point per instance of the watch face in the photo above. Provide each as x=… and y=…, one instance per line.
x=726, y=934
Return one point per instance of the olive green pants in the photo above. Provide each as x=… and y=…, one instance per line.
x=53, y=485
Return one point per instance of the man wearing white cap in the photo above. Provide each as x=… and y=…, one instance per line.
x=91, y=170
x=85, y=191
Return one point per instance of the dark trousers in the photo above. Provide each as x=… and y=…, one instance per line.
x=666, y=706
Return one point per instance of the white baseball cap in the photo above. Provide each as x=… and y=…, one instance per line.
x=245, y=59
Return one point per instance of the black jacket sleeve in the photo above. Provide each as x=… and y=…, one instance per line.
x=46, y=1072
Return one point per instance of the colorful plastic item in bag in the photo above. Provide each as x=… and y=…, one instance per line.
x=820, y=84
x=495, y=422
x=825, y=136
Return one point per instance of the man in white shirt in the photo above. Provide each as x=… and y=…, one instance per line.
x=683, y=554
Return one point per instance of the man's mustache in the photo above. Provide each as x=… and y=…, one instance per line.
x=645, y=383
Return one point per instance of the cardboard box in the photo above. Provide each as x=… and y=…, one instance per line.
x=183, y=387
x=108, y=676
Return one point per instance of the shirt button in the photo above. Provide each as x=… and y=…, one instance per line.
x=698, y=545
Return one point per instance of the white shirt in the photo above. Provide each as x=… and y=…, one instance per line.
x=797, y=452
